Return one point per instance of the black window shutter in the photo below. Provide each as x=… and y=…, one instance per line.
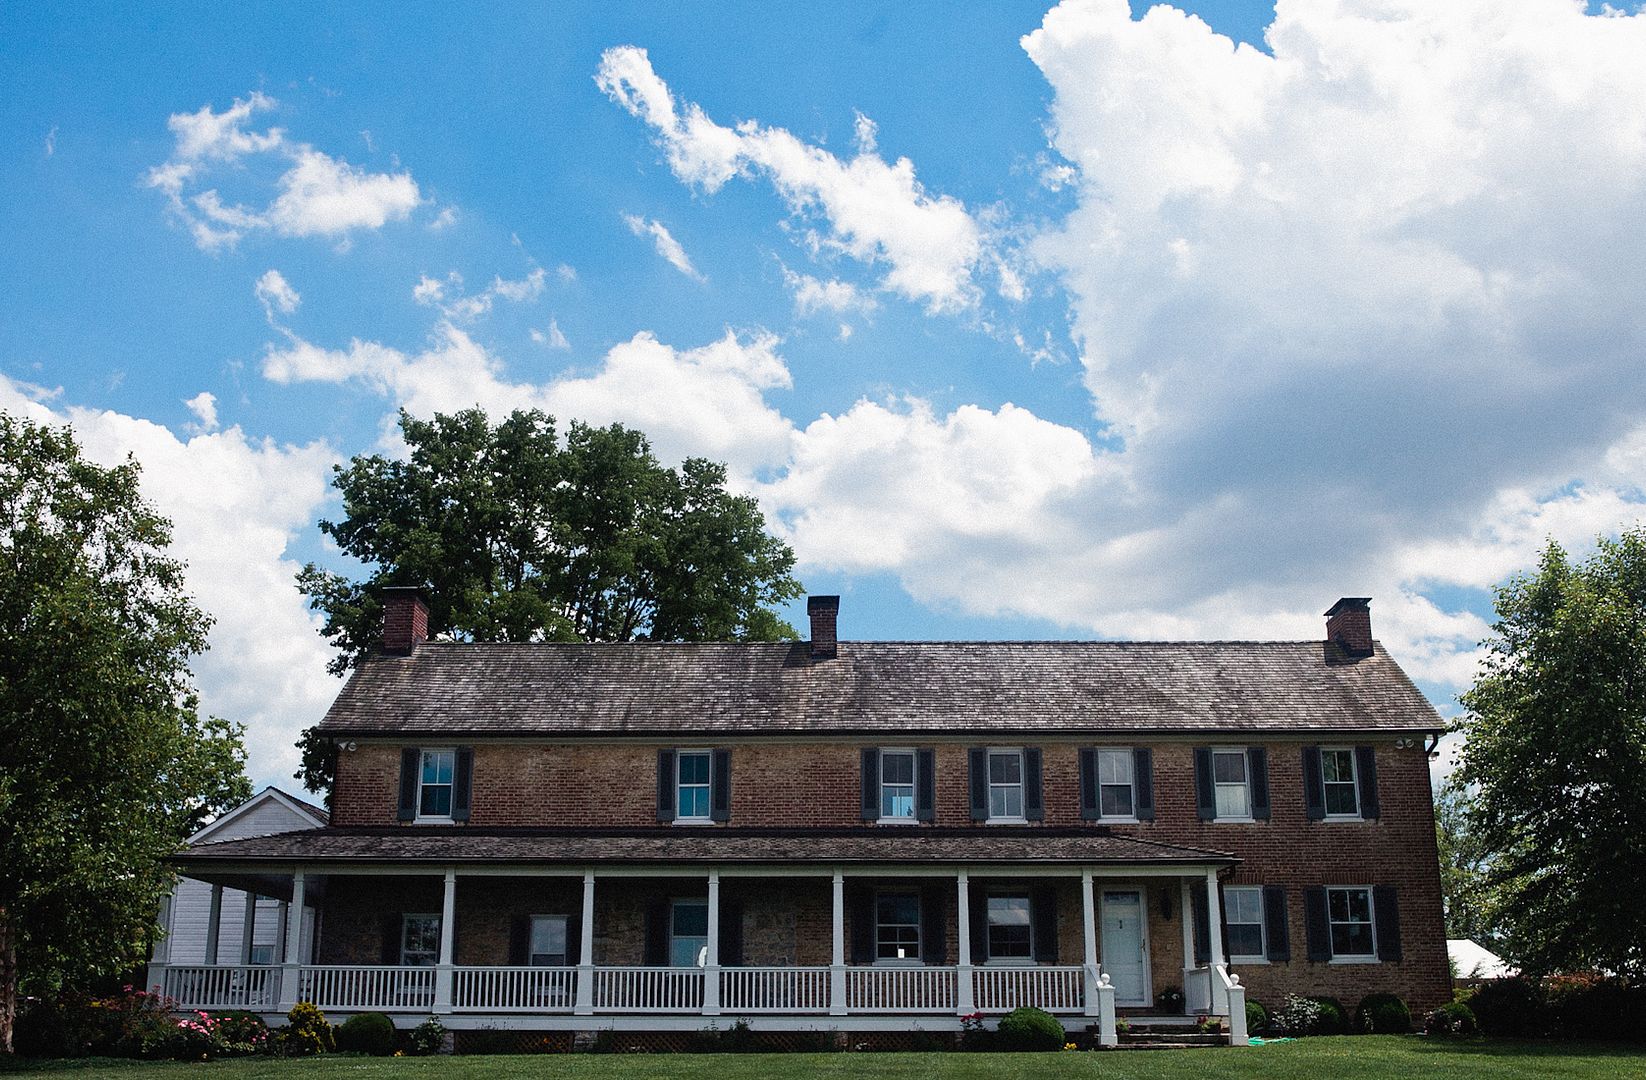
x=1317, y=932
x=410, y=759
x=1366, y=773
x=665, y=785
x=656, y=952
x=462, y=783
x=1205, y=793
x=860, y=912
x=392, y=929
x=925, y=785
x=977, y=918
x=1257, y=769
x=1275, y=928
x=574, y=939
x=1386, y=910
x=1143, y=771
x=871, y=783
x=1089, y=810
x=1043, y=923
x=934, y=925
x=979, y=761
x=1200, y=909
x=520, y=930
x=731, y=933
x=720, y=786
x=1314, y=785
x=1034, y=799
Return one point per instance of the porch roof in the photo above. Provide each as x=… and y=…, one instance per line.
x=448, y=845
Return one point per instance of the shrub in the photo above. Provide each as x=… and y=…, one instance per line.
x=1309, y=1016
x=1030, y=1029
x=1509, y=1007
x=1257, y=1017
x=1383, y=1014
x=369, y=1033
x=429, y=1037
x=1334, y=1018
x=1595, y=1007
x=243, y=1033
x=973, y=1035
x=306, y=1032
x=1452, y=1018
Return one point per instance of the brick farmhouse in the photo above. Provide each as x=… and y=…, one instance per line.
x=853, y=836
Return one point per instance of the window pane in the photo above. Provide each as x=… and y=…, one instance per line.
x=1008, y=911
x=437, y=766
x=1352, y=939
x=898, y=908
x=1338, y=766
x=1245, y=905
x=435, y=800
x=1232, y=802
x=694, y=802
x=1006, y=802
x=691, y=918
x=897, y=768
x=1006, y=768
x=1342, y=799
x=549, y=936
x=1114, y=766
x=1245, y=939
x=1229, y=768
x=1116, y=801
x=687, y=951
x=694, y=768
x=897, y=801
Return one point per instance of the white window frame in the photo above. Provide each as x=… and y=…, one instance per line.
x=707, y=817
x=1129, y=755
x=422, y=763
x=919, y=932
x=566, y=958
x=1371, y=925
x=1262, y=924
x=988, y=775
x=1353, y=782
x=914, y=786
x=405, y=925
x=1246, y=770
x=1007, y=961
x=675, y=905
x=265, y=950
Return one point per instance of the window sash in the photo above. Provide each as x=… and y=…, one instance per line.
x=419, y=940
x=1116, y=786
x=1341, y=784
x=1231, y=784
x=897, y=926
x=692, y=771
x=897, y=784
x=1010, y=927
x=1005, y=783
x=1350, y=917
x=1243, y=914
x=548, y=941
x=687, y=943
x=435, y=775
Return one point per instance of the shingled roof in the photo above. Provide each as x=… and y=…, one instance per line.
x=874, y=687
x=446, y=846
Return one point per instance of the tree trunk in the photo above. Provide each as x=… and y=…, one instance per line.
x=8, y=980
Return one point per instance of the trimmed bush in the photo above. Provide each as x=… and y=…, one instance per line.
x=369, y=1033
x=1509, y=1007
x=1334, y=1018
x=1309, y=1016
x=306, y=1032
x=1030, y=1029
x=1257, y=1017
x=429, y=1037
x=1383, y=1014
x=1595, y=1007
x=1452, y=1018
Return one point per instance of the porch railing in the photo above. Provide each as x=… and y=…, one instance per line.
x=514, y=989
x=774, y=989
x=386, y=989
x=1055, y=989
x=648, y=989
x=901, y=989
x=216, y=987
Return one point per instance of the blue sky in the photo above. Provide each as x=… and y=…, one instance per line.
x=1020, y=322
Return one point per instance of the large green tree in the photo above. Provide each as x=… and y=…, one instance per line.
x=1555, y=761
x=105, y=763
x=1462, y=867
x=520, y=533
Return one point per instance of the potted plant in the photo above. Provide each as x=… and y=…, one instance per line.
x=1169, y=1000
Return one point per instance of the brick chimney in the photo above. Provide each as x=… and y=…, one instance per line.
x=823, y=611
x=405, y=619
x=1349, y=625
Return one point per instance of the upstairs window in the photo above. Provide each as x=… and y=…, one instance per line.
x=897, y=785
x=1006, y=785
x=1115, y=784
x=1341, y=785
x=897, y=926
x=434, y=792
x=1230, y=779
x=1011, y=928
x=692, y=785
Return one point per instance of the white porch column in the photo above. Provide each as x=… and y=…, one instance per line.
x=448, y=930
x=837, y=953
x=965, y=1001
x=214, y=923
x=248, y=928
x=711, y=962
x=280, y=933
x=1214, y=942
x=162, y=948
x=1088, y=926
x=585, y=951
x=291, y=973
x=1186, y=917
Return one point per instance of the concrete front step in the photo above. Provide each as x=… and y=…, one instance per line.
x=1154, y=1040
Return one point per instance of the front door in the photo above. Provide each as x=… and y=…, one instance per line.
x=1123, y=943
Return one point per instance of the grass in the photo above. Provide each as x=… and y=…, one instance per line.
x=1363, y=1057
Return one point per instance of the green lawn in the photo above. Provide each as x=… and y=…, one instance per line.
x=1361, y=1057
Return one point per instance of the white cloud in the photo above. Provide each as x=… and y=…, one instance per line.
x=315, y=194
x=667, y=246
x=551, y=338
x=448, y=296
x=875, y=212
x=51, y=141
x=204, y=407
x=444, y=220
x=235, y=503
x=836, y=297
x=276, y=295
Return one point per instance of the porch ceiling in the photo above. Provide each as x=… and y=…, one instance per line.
x=448, y=845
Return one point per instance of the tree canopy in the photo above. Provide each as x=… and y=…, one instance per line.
x=1554, y=760
x=518, y=533
x=105, y=763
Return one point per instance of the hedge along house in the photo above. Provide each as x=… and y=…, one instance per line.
x=854, y=835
